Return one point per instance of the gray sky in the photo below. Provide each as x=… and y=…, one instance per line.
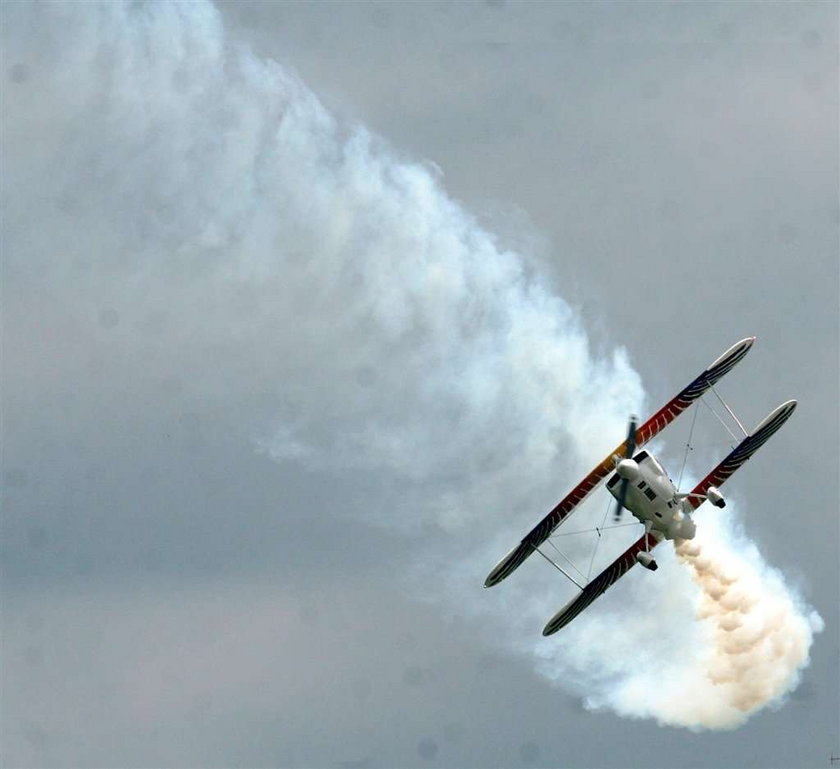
x=272, y=406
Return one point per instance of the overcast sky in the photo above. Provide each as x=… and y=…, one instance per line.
x=311, y=310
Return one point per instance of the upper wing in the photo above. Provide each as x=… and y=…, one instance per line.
x=742, y=452
x=670, y=411
x=609, y=576
x=680, y=402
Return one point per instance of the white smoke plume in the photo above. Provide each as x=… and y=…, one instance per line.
x=727, y=638
x=291, y=269
x=757, y=636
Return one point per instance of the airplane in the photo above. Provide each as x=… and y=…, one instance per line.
x=640, y=484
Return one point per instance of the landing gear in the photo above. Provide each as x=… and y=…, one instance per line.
x=645, y=558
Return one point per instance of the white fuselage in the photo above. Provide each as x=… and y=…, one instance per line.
x=652, y=497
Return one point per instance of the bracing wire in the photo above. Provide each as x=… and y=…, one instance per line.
x=725, y=426
x=687, y=448
x=560, y=569
x=566, y=559
x=595, y=528
x=730, y=412
x=597, y=541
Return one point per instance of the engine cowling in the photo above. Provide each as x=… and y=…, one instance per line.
x=715, y=497
x=646, y=560
x=628, y=469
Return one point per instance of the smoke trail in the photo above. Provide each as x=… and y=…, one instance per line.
x=292, y=271
x=758, y=638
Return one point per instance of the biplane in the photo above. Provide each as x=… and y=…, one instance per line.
x=640, y=484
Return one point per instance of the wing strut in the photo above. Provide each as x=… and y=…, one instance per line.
x=731, y=412
x=560, y=569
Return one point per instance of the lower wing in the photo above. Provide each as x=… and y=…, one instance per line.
x=742, y=452
x=609, y=576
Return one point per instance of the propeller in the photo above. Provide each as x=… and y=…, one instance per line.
x=629, y=450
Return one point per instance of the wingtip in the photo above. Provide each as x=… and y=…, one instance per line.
x=492, y=578
x=777, y=417
x=733, y=355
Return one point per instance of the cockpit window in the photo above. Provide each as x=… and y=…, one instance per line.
x=657, y=467
x=643, y=456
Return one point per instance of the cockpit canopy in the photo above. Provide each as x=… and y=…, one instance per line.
x=651, y=462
